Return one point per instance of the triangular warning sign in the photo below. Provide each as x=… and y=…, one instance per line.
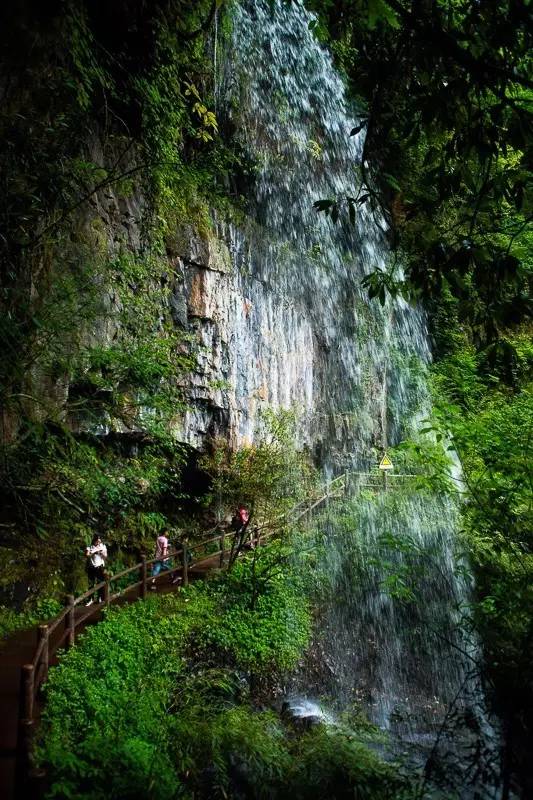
x=385, y=463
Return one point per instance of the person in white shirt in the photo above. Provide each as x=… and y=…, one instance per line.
x=96, y=557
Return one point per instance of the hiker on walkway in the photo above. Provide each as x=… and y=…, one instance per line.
x=240, y=519
x=239, y=523
x=163, y=562
x=96, y=557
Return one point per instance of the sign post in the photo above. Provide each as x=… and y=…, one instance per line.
x=385, y=465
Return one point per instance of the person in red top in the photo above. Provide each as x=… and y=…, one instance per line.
x=240, y=519
x=244, y=515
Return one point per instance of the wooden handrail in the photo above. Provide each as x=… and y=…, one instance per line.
x=208, y=541
x=57, y=620
x=170, y=554
x=39, y=651
x=206, y=557
x=89, y=592
x=124, y=572
x=34, y=673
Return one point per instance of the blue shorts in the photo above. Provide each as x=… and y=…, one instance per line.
x=159, y=566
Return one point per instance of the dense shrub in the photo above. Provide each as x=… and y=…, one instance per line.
x=330, y=763
x=155, y=702
x=269, y=636
x=107, y=727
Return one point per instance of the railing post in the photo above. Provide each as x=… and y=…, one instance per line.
x=144, y=575
x=23, y=757
x=43, y=634
x=107, y=590
x=222, y=547
x=25, y=773
x=70, y=621
x=25, y=728
x=28, y=688
x=184, y=556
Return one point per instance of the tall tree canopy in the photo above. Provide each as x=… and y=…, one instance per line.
x=446, y=92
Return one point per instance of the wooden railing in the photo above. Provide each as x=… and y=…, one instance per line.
x=61, y=631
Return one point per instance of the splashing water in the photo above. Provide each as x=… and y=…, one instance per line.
x=302, y=708
x=305, y=336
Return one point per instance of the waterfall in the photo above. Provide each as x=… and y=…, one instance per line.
x=305, y=336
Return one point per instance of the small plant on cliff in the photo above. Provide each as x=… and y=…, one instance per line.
x=269, y=476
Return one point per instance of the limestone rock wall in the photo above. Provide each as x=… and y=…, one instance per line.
x=255, y=349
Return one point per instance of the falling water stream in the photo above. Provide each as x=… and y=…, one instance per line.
x=309, y=338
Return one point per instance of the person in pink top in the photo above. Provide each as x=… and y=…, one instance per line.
x=163, y=562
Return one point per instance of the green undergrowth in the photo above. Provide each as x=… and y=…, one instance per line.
x=11, y=621
x=160, y=700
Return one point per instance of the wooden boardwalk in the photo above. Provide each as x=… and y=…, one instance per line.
x=19, y=650
x=26, y=656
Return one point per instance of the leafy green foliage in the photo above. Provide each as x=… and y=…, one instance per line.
x=42, y=611
x=269, y=477
x=226, y=747
x=445, y=96
x=153, y=703
x=333, y=764
x=264, y=629
x=486, y=410
x=494, y=443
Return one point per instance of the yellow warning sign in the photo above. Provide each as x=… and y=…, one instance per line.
x=386, y=463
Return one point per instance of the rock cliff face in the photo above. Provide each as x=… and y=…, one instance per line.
x=272, y=306
x=276, y=302
x=256, y=348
